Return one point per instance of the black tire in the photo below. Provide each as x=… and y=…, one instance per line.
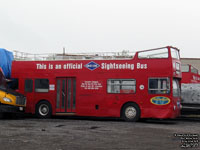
x=43, y=110
x=130, y=112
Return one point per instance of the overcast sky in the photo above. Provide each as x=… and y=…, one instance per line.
x=46, y=26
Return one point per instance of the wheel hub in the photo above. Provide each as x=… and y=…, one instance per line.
x=43, y=110
x=130, y=112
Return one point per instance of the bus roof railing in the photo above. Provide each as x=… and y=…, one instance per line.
x=73, y=56
x=125, y=54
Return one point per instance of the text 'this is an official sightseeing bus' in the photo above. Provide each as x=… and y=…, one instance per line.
x=145, y=86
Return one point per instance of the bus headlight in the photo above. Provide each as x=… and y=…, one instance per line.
x=7, y=100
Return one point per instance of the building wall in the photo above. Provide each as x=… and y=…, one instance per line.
x=195, y=62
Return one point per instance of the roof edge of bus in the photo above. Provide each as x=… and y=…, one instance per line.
x=158, y=48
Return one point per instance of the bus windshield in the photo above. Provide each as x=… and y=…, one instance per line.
x=175, y=53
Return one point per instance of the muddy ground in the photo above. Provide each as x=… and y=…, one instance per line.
x=64, y=133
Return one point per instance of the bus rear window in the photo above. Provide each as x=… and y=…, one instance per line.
x=41, y=85
x=159, y=85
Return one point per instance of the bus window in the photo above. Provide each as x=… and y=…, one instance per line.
x=194, y=70
x=14, y=84
x=41, y=85
x=159, y=86
x=176, y=88
x=185, y=68
x=175, y=53
x=161, y=53
x=28, y=87
x=121, y=86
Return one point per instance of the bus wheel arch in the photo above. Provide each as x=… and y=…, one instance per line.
x=130, y=112
x=43, y=109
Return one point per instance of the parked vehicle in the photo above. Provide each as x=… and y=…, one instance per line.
x=190, y=88
x=146, y=85
x=10, y=100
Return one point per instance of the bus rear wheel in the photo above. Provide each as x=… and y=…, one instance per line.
x=43, y=110
x=130, y=112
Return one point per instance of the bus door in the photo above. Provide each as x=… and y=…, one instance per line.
x=65, y=95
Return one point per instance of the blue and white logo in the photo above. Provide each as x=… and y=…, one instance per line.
x=92, y=65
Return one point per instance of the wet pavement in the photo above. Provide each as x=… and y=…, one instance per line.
x=65, y=133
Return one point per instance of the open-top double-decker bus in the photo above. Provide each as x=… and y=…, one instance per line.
x=146, y=85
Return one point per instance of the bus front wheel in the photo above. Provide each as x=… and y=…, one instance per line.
x=130, y=112
x=43, y=110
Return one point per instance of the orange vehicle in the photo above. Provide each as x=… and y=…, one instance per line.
x=10, y=100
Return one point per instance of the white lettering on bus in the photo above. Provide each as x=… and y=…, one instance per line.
x=50, y=66
x=104, y=66
x=58, y=66
x=91, y=85
x=141, y=66
x=73, y=66
x=111, y=66
x=41, y=66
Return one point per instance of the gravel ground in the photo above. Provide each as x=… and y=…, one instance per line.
x=66, y=133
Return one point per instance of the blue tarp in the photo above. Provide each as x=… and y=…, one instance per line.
x=6, y=59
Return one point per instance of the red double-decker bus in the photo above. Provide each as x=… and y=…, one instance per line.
x=144, y=86
x=190, y=89
x=189, y=74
